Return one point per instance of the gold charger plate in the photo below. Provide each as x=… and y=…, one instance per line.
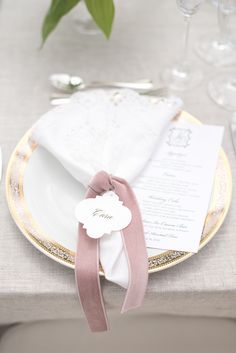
x=219, y=205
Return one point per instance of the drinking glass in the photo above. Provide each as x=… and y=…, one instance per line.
x=184, y=74
x=220, y=50
x=222, y=89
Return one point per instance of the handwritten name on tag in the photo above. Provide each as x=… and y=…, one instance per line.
x=103, y=214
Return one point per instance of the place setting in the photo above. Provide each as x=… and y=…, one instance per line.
x=158, y=189
x=118, y=180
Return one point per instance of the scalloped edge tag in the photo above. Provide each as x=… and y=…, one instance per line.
x=103, y=214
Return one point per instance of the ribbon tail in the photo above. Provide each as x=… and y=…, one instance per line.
x=87, y=256
x=135, y=248
x=88, y=281
x=138, y=279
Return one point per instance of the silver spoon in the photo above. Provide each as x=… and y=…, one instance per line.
x=69, y=84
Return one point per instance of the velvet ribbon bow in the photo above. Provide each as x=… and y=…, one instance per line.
x=87, y=256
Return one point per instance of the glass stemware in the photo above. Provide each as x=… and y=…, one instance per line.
x=222, y=89
x=183, y=74
x=220, y=50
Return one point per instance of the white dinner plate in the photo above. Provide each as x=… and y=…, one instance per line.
x=42, y=197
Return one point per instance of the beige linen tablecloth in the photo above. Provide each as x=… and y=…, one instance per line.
x=146, y=36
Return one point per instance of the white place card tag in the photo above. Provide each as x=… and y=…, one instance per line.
x=103, y=214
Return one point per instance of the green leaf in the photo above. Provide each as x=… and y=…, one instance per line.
x=102, y=12
x=57, y=10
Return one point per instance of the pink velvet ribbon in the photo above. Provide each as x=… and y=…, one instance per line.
x=87, y=256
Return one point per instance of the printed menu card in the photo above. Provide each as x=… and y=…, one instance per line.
x=175, y=188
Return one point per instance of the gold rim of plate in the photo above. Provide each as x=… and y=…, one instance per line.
x=219, y=205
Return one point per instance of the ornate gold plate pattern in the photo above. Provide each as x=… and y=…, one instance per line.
x=218, y=209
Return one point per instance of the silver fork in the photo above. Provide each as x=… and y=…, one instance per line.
x=60, y=98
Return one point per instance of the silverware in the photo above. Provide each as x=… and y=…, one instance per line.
x=70, y=84
x=233, y=130
x=156, y=94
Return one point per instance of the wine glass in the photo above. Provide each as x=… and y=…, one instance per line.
x=219, y=50
x=184, y=74
x=222, y=89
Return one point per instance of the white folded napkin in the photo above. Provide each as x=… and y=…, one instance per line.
x=114, y=131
